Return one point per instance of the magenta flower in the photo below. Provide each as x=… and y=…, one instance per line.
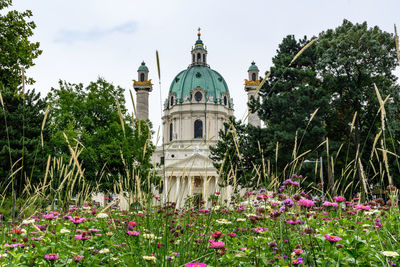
x=258, y=230
x=78, y=258
x=51, y=257
x=332, y=238
x=51, y=216
x=217, y=234
x=232, y=234
x=83, y=236
x=217, y=245
x=339, y=199
x=305, y=203
x=76, y=219
x=133, y=233
x=330, y=204
x=297, y=261
x=298, y=251
x=363, y=207
x=195, y=264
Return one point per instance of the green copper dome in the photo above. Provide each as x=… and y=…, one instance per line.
x=253, y=66
x=199, y=76
x=143, y=67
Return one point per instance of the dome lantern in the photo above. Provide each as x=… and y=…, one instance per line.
x=199, y=53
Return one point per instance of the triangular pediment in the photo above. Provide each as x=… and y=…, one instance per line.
x=194, y=161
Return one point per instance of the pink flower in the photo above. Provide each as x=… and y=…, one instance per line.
x=330, y=204
x=51, y=216
x=258, y=230
x=217, y=234
x=195, y=264
x=51, y=257
x=305, y=203
x=76, y=219
x=298, y=251
x=332, y=238
x=217, y=245
x=232, y=234
x=78, y=258
x=83, y=236
x=297, y=261
x=339, y=199
x=133, y=233
x=363, y=207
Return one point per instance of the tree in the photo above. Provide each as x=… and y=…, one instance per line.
x=16, y=50
x=20, y=138
x=91, y=116
x=22, y=112
x=352, y=58
x=289, y=99
x=335, y=76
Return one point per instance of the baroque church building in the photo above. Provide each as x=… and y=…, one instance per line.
x=196, y=109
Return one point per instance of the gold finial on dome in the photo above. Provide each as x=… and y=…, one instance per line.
x=198, y=33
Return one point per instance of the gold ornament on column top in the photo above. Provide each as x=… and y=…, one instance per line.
x=247, y=82
x=148, y=83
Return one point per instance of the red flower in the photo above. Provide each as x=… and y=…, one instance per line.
x=217, y=234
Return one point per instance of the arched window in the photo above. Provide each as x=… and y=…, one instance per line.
x=253, y=76
x=172, y=101
x=198, y=129
x=225, y=100
x=198, y=57
x=198, y=96
x=171, y=129
x=142, y=77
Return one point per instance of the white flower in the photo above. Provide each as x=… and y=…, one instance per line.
x=104, y=250
x=223, y=221
x=64, y=231
x=240, y=219
x=86, y=208
x=216, y=208
x=5, y=255
x=102, y=215
x=390, y=253
x=28, y=221
x=149, y=258
x=149, y=236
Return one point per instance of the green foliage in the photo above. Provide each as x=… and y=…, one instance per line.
x=89, y=115
x=335, y=76
x=352, y=58
x=16, y=50
x=20, y=141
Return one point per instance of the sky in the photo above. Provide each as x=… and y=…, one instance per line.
x=86, y=39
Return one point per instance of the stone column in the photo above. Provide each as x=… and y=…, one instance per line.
x=190, y=182
x=204, y=188
x=142, y=104
x=253, y=118
x=177, y=194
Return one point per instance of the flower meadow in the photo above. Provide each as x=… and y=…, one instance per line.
x=260, y=228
